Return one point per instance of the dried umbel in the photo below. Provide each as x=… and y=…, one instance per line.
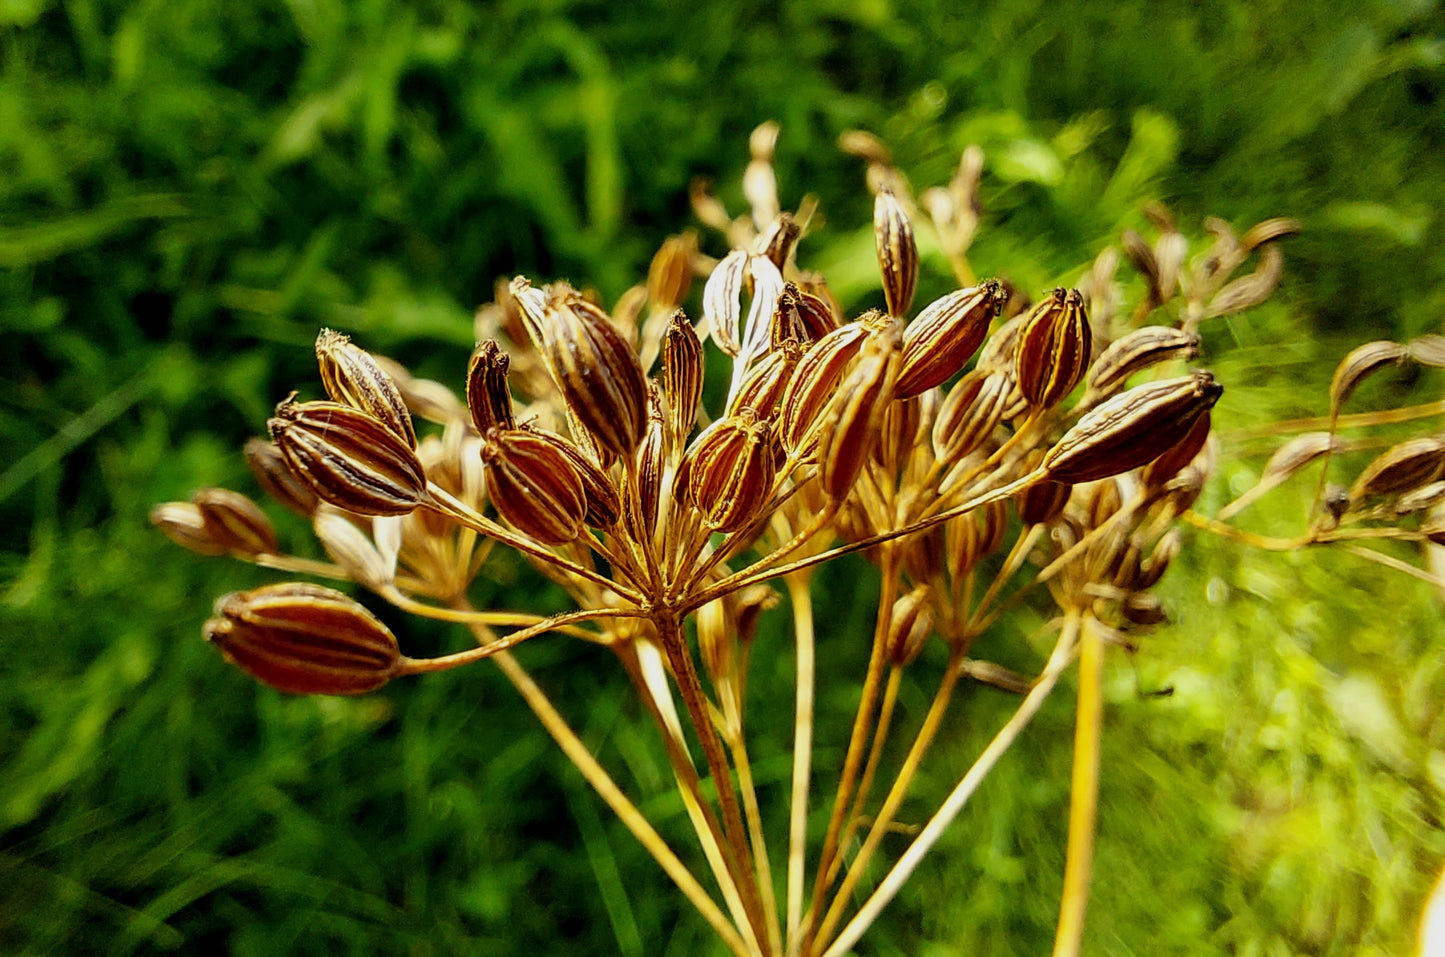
x=304, y=639
x=349, y=458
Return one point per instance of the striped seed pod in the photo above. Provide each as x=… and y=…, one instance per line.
x=352, y=549
x=730, y=471
x=909, y=622
x=1402, y=467
x=534, y=484
x=602, y=500
x=817, y=317
x=1421, y=499
x=669, y=277
x=815, y=379
x=236, y=523
x=946, y=334
x=897, y=252
x=970, y=412
x=181, y=522
x=788, y=323
x=856, y=414
x=488, y=397
x=767, y=379
x=682, y=376
x=722, y=300
x=1043, y=502
x=1054, y=348
x=968, y=539
x=304, y=639
x=272, y=473
x=353, y=377
x=651, y=464
x=1363, y=361
x=1157, y=473
x=349, y=458
x=779, y=239
x=1131, y=429
x=1138, y=351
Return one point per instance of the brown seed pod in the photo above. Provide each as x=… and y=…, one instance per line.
x=181, y=522
x=276, y=478
x=731, y=468
x=601, y=498
x=1138, y=351
x=682, y=376
x=778, y=240
x=1400, y=468
x=353, y=377
x=766, y=380
x=971, y=537
x=788, y=324
x=236, y=523
x=909, y=622
x=1043, y=502
x=817, y=317
x=1131, y=429
x=1420, y=499
x=897, y=252
x=946, y=334
x=488, y=397
x=969, y=414
x=534, y=484
x=669, y=277
x=304, y=639
x=1157, y=473
x=856, y=415
x=1362, y=362
x=815, y=379
x=1054, y=348
x=651, y=464
x=349, y=458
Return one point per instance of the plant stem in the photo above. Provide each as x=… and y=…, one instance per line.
x=417, y=666
x=763, y=868
x=1083, y=792
x=801, y=595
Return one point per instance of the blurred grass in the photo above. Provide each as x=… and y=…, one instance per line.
x=188, y=189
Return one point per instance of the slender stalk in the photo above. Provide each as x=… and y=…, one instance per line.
x=800, y=592
x=885, y=892
x=417, y=666
x=870, y=770
x=1083, y=792
x=1354, y=421
x=763, y=865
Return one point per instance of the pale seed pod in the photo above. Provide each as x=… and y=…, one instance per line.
x=815, y=379
x=997, y=354
x=1043, y=502
x=778, y=240
x=1054, y=348
x=1420, y=499
x=669, y=277
x=1249, y=291
x=866, y=146
x=352, y=549
x=1268, y=231
x=922, y=555
x=534, y=484
x=682, y=376
x=717, y=643
x=1428, y=350
x=909, y=622
x=898, y=434
x=353, y=377
x=1403, y=467
x=349, y=458
x=856, y=415
x=897, y=252
x=970, y=412
x=722, y=300
x=1102, y=501
x=181, y=522
x=1138, y=351
x=1362, y=361
x=946, y=334
x=488, y=397
x=274, y=476
x=651, y=464
x=1131, y=429
x=1296, y=454
x=304, y=639
x=236, y=523
x=760, y=183
x=731, y=468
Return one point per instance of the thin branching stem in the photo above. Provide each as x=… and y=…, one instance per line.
x=801, y=595
x=1083, y=791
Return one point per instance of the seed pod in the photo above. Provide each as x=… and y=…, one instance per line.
x=1043, y=502
x=353, y=377
x=817, y=318
x=1131, y=429
x=236, y=523
x=815, y=379
x=488, y=397
x=788, y=324
x=1142, y=609
x=1400, y=468
x=898, y=434
x=349, y=458
x=1054, y=348
x=946, y=334
x=856, y=415
x=1152, y=568
x=1428, y=350
x=304, y=639
x=1249, y=291
x=971, y=537
x=731, y=468
x=1268, y=231
x=1362, y=361
x=352, y=549
x=682, y=376
x=970, y=412
x=1158, y=472
x=1420, y=499
x=534, y=484
x=909, y=622
x=601, y=498
x=722, y=300
x=762, y=388
x=669, y=277
x=1142, y=256
x=651, y=464
x=760, y=183
x=272, y=473
x=181, y=522
x=997, y=354
x=1138, y=351
x=897, y=252
x=778, y=240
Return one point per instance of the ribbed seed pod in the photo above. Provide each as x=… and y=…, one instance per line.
x=1054, y=348
x=488, y=397
x=534, y=484
x=682, y=376
x=909, y=622
x=1157, y=473
x=235, y=522
x=1420, y=499
x=304, y=639
x=815, y=379
x=762, y=388
x=997, y=354
x=970, y=412
x=945, y=335
x=815, y=314
x=731, y=468
x=898, y=434
x=272, y=473
x=722, y=300
x=787, y=324
x=1362, y=362
x=353, y=377
x=1138, y=351
x=651, y=464
x=351, y=548
x=972, y=536
x=1131, y=429
x=669, y=277
x=602, y=500
x=1043, y=502
x=349, y=458
x=181, y=522
x=897, y=252
x=778, y=240
x=1400, y=468
x=1153, y=568
x=855, y=418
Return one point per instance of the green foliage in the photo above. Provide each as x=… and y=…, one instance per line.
x=189, y=189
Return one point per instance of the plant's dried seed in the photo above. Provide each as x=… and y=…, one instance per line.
x=815, y=380
x=1131, y=429
x=1153, y=568
x=236, y=523
x=856, y=415
x=274, y=476
x=760, y=183
x=922, y=555
x=722, y=300
x=969, y=414
x=997, y=354
x=669, y=277
x=352, y=549
x=1137, y=351
x=815, y=315
x=1102, y=502
x=731, y=468
x=488, y=397
x=1420, y=499
x=898, y=434
x=1158, y=473
x=1362, y=362
x=897, y=252
x=778, y=240
x=1400, y=468
x=762, y=388
x=602, y=500
x=1249, y=291
x=1142, y=256
x=353, y=377
x=946, y=334
x=304, y=639
x=1054, y=347
x=181, y=522
x=909, y=622
x=717, y=643
x=651, y=463
x=788, y=324
x=1428, y=350
x=534, y=484
x=1268, y=231
x=1043, y=502
x=1142, y=609
x=682, y=376
x=865, y=146
x=970, y=538
x=349, y=458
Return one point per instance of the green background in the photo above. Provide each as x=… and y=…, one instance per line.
x=190, y=188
